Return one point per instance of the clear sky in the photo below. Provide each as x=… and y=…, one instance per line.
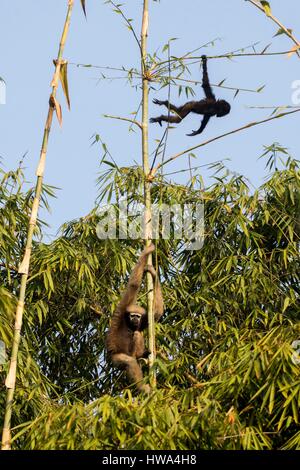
x=29, y=37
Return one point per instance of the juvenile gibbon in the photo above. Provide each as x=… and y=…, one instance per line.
x=209, y=106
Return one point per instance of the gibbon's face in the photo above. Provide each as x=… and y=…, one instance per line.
x=135, y=319
x=223, y=108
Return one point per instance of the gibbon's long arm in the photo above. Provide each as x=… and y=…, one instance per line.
x=135, y=280
x=205, y=80
x=158, y=300
x=202, y=127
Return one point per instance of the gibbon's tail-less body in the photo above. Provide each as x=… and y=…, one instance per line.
x=208, y=107
x=125, y=341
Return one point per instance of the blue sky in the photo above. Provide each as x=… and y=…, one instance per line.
x=30, y=32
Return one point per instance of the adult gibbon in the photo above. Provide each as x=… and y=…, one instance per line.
x=209, y=106
x=125, y=340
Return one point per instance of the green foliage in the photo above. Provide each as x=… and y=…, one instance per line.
x=83, y=7
x=15, y=206
x=166, y=420
x=266, y=6
x=228, y=376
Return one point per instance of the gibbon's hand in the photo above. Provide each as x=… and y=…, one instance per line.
x=153, y=120
x=194, y=133
x=204, y=58
x=159, y=102
x=149, y=249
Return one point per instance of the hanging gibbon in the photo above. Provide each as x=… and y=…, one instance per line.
x=125, y=340
x=209, y=106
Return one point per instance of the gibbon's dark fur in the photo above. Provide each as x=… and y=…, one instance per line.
x=125, y=340
x=208, y=107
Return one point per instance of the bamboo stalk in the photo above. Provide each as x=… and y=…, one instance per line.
x=24, y=266
x=147, y=187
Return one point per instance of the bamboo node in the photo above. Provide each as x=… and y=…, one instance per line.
x=34, y=211
x=24, y=266
x=11, y=376
x=148, y=75
x=52, y=101
x=151, y=175
x=6, y=438
x=41, y=165
x=59, y=62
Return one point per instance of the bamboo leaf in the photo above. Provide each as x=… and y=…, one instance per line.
x=222, y=82
x=293, y=50
x=282, y=31
x=272, y=398
x=83, y=7
x=286, y=304
x=64, y=81
x=260, y=88
x=266, y=6
x=58, y=110
x=266, y=48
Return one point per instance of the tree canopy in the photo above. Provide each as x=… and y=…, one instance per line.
x=228, y=376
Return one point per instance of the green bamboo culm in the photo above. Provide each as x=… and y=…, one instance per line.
x=24, y=266
x=147, y=188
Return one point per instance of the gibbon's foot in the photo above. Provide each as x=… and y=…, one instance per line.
x=150, y=269
x=159, y=102
x=153, y=120
x=146, y=355
x=145, y=388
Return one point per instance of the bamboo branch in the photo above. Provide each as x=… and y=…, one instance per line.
x=228, y=55
x=24, y=266
x=118, y=9
x=133, y=121
x=147, y=187
x=247, y=126
x=242, y=54
x=198, y=82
